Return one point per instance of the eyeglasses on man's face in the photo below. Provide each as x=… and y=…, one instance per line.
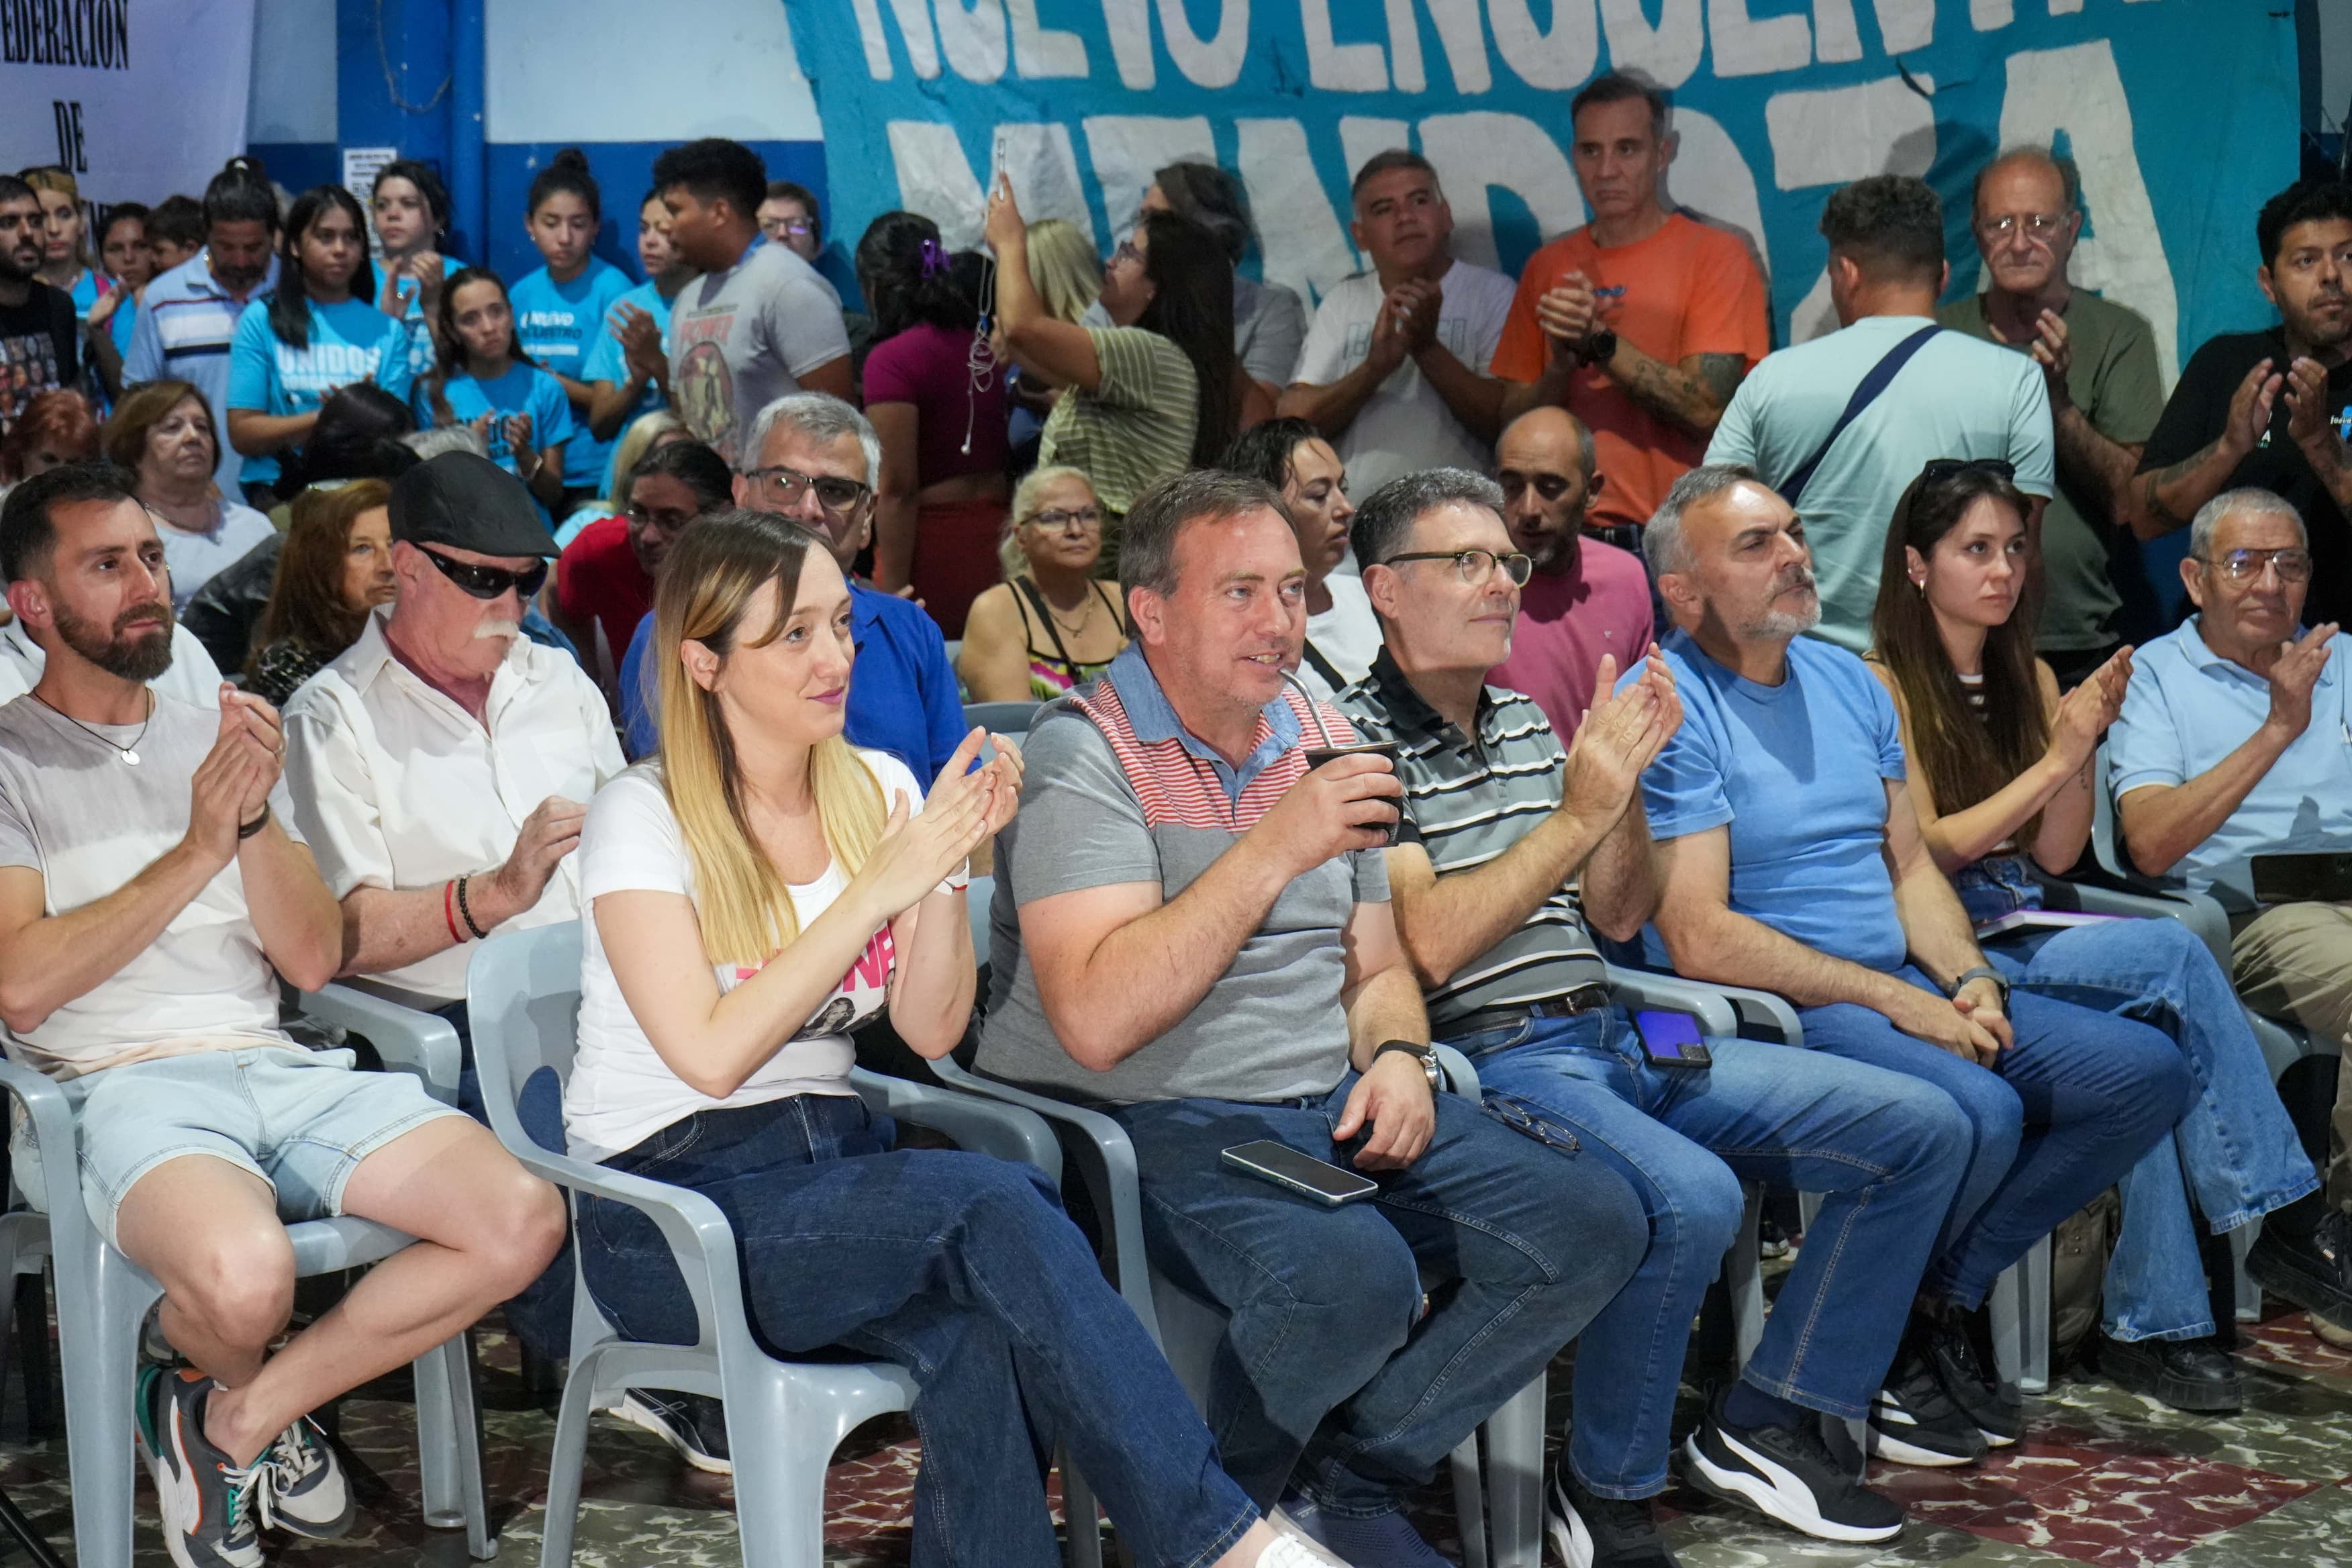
x=837, y=496
x=2292, y=564
x=1475, y=566
x=2041, y=227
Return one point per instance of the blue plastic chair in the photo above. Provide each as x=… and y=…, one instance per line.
x=783, y=1418
x=103, y=1300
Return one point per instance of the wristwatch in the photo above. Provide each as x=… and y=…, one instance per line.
x=1427, y=1055
x=1984, y=972
x=1598, y=348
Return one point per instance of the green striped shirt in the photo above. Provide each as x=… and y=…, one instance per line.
x=1467, y=800
x=1135, y=427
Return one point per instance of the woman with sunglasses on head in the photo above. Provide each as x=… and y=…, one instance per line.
x=939, y=509
x=754, y=893
x=315, y=333
x=1158, y=392
x=2002, y=771
x=560, y=308
x=1052, y=624
x=1343, y=637
x=484, y=378
x=410, y=208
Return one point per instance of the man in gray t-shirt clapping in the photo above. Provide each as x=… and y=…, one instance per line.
x=1193, y=926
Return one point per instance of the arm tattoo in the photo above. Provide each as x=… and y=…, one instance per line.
x=1721, y=375
x=2155, y=484
x=1693, y=400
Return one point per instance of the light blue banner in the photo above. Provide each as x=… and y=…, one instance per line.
x=2180, y=113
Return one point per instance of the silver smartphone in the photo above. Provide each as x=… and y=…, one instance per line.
x=1325, y=1183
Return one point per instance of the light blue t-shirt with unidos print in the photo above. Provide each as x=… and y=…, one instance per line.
x=607, y=362
x=523, y=389
x=559, y=323
x=1799, y=772
x=350, y=341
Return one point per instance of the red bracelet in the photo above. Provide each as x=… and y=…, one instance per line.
x=449, y=912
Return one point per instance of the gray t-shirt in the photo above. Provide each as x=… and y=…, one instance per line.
x=740, y=339
x=1114, y=796
x=71, y=809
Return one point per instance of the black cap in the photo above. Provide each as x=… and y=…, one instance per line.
x=468, y=501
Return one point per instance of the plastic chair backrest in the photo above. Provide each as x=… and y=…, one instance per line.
x=2102, y=818
x=522, y=1001
x=1003, y=718
x=976, y=901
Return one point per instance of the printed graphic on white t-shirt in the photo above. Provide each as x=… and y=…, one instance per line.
x=703, y=385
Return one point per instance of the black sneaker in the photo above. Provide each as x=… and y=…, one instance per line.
x=1588, y=1532
x=693, y=1424
x=2311, y=1271
x=1946, y=1340
x=1787, y=1473
x=2187, y=1374
x=1770, y=1242
x=303, y=1488
x=206, y=1502
x=1914, y=1422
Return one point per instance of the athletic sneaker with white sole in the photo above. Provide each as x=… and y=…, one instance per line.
x=1947, y=1339
x=1589, y=1532
x=1914, y=1420
x=1788, y=1474
x=693, y=1424
x=303, y=1488
x=208, y=1504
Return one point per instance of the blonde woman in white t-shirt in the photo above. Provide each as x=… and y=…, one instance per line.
x=755, y=893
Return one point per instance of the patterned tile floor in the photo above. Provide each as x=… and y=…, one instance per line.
x=2104, y=1478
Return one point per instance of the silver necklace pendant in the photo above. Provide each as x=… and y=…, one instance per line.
x=129, y=756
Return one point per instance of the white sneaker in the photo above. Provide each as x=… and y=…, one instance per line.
x=1294, y=1551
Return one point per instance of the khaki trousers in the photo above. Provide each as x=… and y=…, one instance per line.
x=2295, y=963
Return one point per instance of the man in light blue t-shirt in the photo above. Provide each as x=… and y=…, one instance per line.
x=1790, y=858
x=1955, y=396
x=2236, y=741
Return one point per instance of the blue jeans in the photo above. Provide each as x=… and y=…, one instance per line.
x=2059, y=1119
x=961, y=1269
x=1322, y=1358
x=2235, y=1143
x=1886, y=1149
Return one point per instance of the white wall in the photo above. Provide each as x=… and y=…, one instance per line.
x=610, y=71
x=293, y=97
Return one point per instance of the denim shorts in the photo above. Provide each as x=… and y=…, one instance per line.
x=301, y=1121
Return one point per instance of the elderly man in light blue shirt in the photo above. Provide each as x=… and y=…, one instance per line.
x=2236, y=741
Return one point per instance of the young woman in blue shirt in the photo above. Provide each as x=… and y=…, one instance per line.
x=484, y=378
x=560, y=310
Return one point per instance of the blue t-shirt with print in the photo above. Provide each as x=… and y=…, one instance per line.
x=607, y=362
x=350, y=341
x=559, y=323
x=85, y=293
x=523, y=389
x=1799, y=772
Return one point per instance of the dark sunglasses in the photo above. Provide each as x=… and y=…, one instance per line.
x=1938, y=469
x=490, y=582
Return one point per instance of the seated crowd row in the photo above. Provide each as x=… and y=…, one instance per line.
x=1216, y=942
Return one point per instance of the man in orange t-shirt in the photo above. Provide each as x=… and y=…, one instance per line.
x=1642, y=322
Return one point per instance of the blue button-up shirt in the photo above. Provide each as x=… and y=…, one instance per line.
x=902, y=690
x=2188, y=708
x=1154, y=718
x=183, y=331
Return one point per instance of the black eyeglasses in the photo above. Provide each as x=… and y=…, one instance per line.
x=490, y=582
x=1938, y=469
x=837, y=496
x=1475, y=566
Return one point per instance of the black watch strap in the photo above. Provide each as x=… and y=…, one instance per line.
x=1427, y=1053
x=1599, y=348
x=1983, y=971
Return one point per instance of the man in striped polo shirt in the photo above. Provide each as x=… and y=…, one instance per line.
x=1192, y=928
x=187, y=314
x=1508, y=846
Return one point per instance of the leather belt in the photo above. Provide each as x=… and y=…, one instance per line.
x=1590, y=998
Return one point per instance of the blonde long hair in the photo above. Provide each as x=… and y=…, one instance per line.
x=709, y=582
x=1063, y=267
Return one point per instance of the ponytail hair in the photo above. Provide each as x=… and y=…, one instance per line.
x=449, y=349
x=289, y=303
x=712, y=574
x=241, y=193
x=567, y=171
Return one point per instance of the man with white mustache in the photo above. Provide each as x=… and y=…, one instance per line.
x=442, y=766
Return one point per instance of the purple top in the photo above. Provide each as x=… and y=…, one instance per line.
x=928, y=366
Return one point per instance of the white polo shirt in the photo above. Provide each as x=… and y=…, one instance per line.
x=193, y=677
x=396, y=786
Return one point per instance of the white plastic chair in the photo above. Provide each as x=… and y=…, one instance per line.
x=103, y=1300
x=783, y=1418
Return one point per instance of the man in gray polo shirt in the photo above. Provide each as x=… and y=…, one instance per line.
x=1193, y=928
x=1501, y=829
